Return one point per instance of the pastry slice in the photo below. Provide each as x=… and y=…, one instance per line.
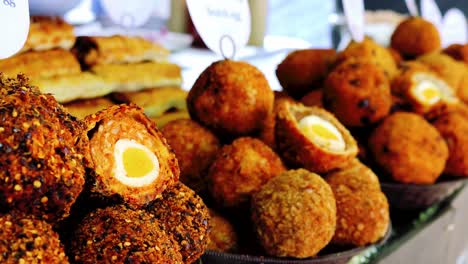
x=117, y=50
x=155, y=101
x=312, y=138
x=170, y=116
x=140, y=76
x=41, y=64
x=76, y=86
x=49, y=33
x=83, y=108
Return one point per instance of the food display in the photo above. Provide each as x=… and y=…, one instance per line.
x=106, y=159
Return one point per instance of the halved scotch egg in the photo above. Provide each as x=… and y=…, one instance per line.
x=422, y=90
x=312, y=138
x=130, y=158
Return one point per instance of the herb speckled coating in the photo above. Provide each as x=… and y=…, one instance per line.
x=120, y=235
x=25, y=239
x=294, y=214
x=42, y=172
x=183, y=215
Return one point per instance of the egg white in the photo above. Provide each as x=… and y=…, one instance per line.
x=330, y=144
x=119, y=170
x=423, y=81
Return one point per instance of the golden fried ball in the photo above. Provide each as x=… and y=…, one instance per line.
x=454, y=128
x=184, y=216
x=423, y=91
x=294, y=214
x=304, y=70
x=240, y=169
x=232, y=98
x=368, y=49
x=312, y=138
x=117, y=234
x=222, y=237
x=358, y=93
x=458, y=52
x=356, y=176
x=362, y=216
x=195, y=148
x=42, y=168
x=455, y=73
x=415, y=36
x=409, y=148
x=25, y=239
x=396, y=55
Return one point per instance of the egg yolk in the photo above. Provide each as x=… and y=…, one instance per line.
x=136, y=162
x=319, y=130
x=430, y=93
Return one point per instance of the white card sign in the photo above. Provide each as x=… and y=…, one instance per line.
x=354, y=13
x=454, y=29
x=14, y=18
x=129, y=14
x=412, y=7
x=224, y=26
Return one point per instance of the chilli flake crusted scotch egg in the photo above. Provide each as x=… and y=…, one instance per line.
x=312, y=138
x=130, y=159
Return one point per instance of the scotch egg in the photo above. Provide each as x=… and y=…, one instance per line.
x=130, y=158
x=322, y=133
x=422, y=90
x=312, y=138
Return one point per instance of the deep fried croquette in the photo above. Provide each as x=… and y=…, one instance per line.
x=195, y=148
x=222, y=236
x=362, y=216
x=369, y=50
x=241, y=169
x=458, y=52
x=455, y=73
x=358, y=93
x=415, y=36
x=422, y=90
x=409, y=149
x=313, y=98
x=231, y=98
x=42, y=170
x=454, y=128
x=25, y=239
x=120, y=235
x=129, y=158
x=396, y=55
x=304, y=70
x=356, y=176
x=361, y=207
x=312, y=138
x=294, y=214
x=183, y=215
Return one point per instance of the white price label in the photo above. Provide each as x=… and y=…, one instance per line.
x=431, y=12
x=354, y=13
x=454, y=29
x=14, y=18
x=129, y=13
x=412, y=7
x=224, y=26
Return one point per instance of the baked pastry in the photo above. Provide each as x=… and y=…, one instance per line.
x=47, y=33
x=76, y=86
x=117, y=50
x=155, y=101
x=83, y=108
x=312, y=138
x=43, y=64
x=139, y=76
x=169, y=116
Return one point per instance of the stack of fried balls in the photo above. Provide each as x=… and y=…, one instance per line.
x=102, y=190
